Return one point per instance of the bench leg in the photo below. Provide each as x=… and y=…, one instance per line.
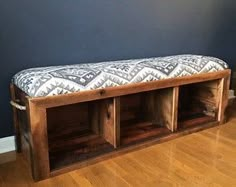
x=38, y=141
x=15, y=121
x=223, y=100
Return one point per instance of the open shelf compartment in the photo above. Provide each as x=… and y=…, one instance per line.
x=198, y=104
x=146, y=115
x=79, y=131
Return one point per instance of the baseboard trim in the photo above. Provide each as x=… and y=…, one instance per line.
x=7, y=144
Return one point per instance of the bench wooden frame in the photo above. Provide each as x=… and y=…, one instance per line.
x=31, y=127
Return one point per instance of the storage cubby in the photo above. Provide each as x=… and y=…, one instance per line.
x=198, y=104
x=78, y=132
x=86, y=130
x=146, y=115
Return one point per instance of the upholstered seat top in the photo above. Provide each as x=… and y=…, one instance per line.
x=55, y=80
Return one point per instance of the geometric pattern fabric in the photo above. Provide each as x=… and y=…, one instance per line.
x=55, y=80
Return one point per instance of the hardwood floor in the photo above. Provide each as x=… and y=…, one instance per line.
x=206, y=158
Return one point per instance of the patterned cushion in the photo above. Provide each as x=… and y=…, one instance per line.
x=55, y=80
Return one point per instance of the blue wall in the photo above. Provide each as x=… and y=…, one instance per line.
x=52, y=32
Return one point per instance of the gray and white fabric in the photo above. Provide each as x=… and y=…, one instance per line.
x=55, y=80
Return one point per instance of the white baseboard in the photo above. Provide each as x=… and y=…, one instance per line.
x=7, y=144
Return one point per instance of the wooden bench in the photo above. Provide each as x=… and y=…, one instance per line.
x=60, y=133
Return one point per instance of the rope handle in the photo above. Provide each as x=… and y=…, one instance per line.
x=17, y=106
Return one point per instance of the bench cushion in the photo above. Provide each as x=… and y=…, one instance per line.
x=55, y=80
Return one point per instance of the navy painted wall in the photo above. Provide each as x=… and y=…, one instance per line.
x=52, y=32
